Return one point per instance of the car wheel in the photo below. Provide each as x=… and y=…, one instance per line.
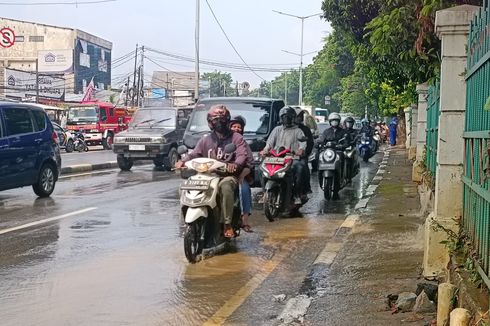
x=171, y=159
x=69, y=146
x=158, y=162
x=107, y=142
x=124, y=163
x=46, y=181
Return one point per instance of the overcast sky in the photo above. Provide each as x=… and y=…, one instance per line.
x=258, y=33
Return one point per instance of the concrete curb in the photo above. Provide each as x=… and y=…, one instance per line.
x=93, y=167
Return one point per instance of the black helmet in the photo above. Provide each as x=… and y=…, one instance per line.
x=349, y=119
x=218, y=118
x=349, y=122
x=238, y=119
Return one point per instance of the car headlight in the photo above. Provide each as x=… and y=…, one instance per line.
x=94, y=130
x=329, y=155
x=119, y=140
x=158, y=140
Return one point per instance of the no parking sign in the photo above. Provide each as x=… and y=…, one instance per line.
x=7, y=37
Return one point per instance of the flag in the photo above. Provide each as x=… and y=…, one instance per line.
x=89, y=92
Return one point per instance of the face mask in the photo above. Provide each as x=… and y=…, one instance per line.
x=334, y=123
x=287, y=120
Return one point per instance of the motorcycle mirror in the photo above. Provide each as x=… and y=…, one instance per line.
x=302, y=139
x=230, y=148
x=182, y=149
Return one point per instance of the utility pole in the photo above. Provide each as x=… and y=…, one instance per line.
x=196, y=90
x=37, y=80
x=134, y=76
x=127, y=93
x=142, y=76
x=209, y=83
x=138, y=89
x=300, y=96
x=286, y=89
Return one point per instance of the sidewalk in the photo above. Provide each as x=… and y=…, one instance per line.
x=382, y=255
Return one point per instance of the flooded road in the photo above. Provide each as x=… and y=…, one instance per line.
x=107, y=249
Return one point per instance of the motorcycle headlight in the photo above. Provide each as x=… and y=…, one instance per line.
x=365, y=142
x=202, y=167
x=256, y=156
x=119, y=140
x=158, y=140
x=329, y=155
x=281, y=174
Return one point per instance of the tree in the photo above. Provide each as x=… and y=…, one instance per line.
x=220, y=84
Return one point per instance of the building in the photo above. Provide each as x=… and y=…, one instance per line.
x=67, y=60
x=178, y=87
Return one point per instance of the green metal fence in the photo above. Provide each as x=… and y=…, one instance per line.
x=432, y=130
x=476, y=214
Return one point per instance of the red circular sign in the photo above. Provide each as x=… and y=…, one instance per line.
x=7, y=37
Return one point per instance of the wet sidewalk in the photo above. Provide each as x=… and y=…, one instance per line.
x=382, y=255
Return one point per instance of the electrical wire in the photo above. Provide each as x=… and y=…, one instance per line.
x=71, y=3
x=229, y=41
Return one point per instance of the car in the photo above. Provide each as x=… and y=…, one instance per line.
x=66, y=139
x=29, y=151
x=154, y=133
x=262, y=115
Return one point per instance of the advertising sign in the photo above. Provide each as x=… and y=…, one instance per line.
x=22, y=84
x=58, y=61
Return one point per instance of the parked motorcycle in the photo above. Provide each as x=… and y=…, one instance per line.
x=366, y=147
x=200, y=207
x=332, y=168
x=278, y=179
x=79, y=143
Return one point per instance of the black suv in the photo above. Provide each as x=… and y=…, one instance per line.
x=29, y=153
x=262, y=115
x=154, y=133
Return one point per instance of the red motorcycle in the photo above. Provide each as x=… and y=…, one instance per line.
x=278, y=179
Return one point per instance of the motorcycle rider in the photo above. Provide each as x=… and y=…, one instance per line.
x=366, y=128
x=336, y=134
x=288, y=136
x=310, y=142
x=237, y=124
x=352, y=133
x=212, y=146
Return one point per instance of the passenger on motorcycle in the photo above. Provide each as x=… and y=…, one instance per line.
x=237, y=124
x=310, y=142
x=213, y=146
x=366, y=128
x=349, y=129
x=288, y=136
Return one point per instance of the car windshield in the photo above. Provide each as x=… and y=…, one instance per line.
x=153, y=118
x=82, y=114
x=257, y=114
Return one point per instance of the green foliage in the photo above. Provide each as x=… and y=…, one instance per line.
x=220, y=83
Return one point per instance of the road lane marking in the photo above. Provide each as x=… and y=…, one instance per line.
x=219, y=318
x=362, y=203
x=328, y=253
x=55, y=218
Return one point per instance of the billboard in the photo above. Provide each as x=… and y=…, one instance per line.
x=22, y=84
x=56, y=61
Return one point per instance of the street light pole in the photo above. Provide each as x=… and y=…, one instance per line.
x=300, y=95
x=196, y=75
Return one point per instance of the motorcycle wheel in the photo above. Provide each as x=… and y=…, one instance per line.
x=192, y=242
x=69, y=146
x=79, y=147
x=327, y=188
x=270, y=209
x=365, y=156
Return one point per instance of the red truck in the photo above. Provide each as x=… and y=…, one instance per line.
x=99, y=122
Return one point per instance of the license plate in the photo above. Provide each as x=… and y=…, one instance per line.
x=274, y=160
x=195, y=185
x=136, y=147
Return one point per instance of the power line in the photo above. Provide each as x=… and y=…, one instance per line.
x=229, y=41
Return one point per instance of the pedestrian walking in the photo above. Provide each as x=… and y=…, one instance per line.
x=393, y=127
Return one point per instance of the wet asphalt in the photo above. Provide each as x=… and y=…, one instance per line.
x=112, y=254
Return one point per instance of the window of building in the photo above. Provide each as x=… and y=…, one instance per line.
x=36, y=38
x=19, y=38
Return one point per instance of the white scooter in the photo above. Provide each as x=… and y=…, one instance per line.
x=200, y=208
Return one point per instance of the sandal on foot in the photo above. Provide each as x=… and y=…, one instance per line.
x=247, y=228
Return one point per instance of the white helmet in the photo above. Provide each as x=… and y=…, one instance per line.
x=333, y=116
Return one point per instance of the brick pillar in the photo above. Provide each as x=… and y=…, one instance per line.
x=452, y=27
x=422, y=90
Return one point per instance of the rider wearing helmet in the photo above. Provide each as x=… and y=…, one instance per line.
x=237, y=124
x=310, y=142
x=212, y=146
x=335, y=132
x=349, y=129
x=288, y=136
x=366, y=128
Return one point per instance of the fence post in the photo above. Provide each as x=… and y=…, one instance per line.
x=452, y=27
x=421, y=134
x=412, y=150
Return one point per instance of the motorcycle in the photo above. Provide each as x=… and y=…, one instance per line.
x=278, y=179
x=200, y=208
x=332, y=168
x=366, y=147
x=79, y=143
